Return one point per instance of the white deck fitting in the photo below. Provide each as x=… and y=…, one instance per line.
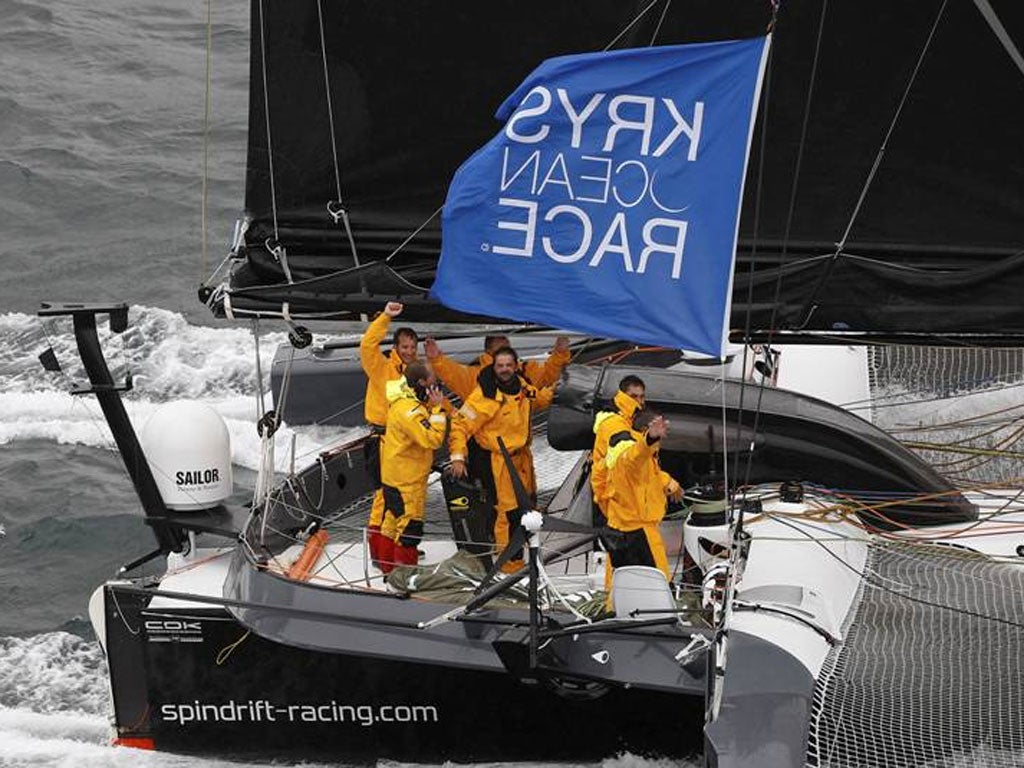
x=201, y=574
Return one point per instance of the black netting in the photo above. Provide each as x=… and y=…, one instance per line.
x=930, y=670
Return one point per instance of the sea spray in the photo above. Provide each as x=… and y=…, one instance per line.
x=169, y=359
x=53, y=672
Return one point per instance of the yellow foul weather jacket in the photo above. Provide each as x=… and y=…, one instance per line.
x=487, y=415
x=637, y=486
x=637, y=489
x=379, y=369
x=606, y=424
x=414, y=432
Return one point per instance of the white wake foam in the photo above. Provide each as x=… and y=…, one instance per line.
x=169, y=357
x=53, y=672
x=170, y=360
x=33, y=740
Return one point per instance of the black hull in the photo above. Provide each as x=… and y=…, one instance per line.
x=196, y=681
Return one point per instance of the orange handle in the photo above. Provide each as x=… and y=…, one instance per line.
x=315, y=544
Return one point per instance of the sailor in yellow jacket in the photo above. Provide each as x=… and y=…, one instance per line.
x=461, y=379
x=637, y=492
x=380, y=369
x=417, y=425
x=500, y=405
x=630, y=398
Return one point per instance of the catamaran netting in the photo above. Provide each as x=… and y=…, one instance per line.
x=942, y=370
x=931, y=669
x=360, y=113
x=958, y=408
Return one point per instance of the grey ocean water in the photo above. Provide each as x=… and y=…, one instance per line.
x=101, y=159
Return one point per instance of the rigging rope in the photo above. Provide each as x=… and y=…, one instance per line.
x=330, y=108
x=810, y=305
x=406, y=242
x=790, y=211
x=206, y=140
x=227, y=650
x=342, y=211
x=661, y=20
x=870, y=580
x=1000, y=32
x=265, y=473
x=266, y=113
x=632, y=23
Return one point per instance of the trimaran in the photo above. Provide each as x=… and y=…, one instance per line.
x=878, y=626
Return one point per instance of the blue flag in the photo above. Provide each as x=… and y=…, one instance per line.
x=609, y=203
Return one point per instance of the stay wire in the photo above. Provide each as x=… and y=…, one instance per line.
x=788, y=229
x=327, y=91
x=334, y=142
x=631, y=24
x=206, y=142
x=266, y=114
x=407, y=241
x=661, y=20
x=810, y=305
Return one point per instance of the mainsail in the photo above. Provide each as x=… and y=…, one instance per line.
x=884, y=194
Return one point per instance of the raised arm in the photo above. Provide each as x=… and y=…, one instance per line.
x=628, y=452
x=370, y=358
x=459, y=378
x=544, y=374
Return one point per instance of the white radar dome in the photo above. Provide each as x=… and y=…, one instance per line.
x=189, y=452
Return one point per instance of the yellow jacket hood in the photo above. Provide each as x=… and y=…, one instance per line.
x=397, y=389
x=625, y=406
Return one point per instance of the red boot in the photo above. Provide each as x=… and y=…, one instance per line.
x=386, y=554
x=375, y=539
x=406, y=555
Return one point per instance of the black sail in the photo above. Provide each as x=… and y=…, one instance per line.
x=371, y=107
